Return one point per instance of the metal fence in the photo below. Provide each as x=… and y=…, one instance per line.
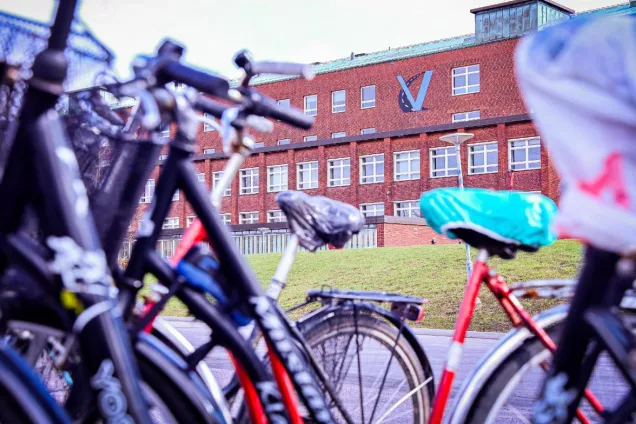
x=254, y=242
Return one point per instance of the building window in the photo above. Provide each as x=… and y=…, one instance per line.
x=226, y=217
x=466, y=80
x=190, y=219
x=170, y=223
x=201, y=177
x=149, y=191
x=339, y=172
x=367, y=131
x=407, y=166
x=371, y=169
x=466, y=116
x=284, y=103
x=338, y=101
x=307, y=175
x=163, y=157
x=372, y=209
x=165, y=130
x=525, y=154
x=310, y=138
x=284, y=141
x=248, y=218
x=311, y=105
x=207, y=127
x=249, y=181
x=216, y=178
x=443, y=162
x=276, y=216
x=209, y=151
x=367, y=97
x=407, y=208
x=175, y=196
x=482, y=158
x=276, y=178
x=338, y=134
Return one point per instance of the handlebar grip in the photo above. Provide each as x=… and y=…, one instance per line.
x=269, y=108
x=210, y=107
x=211, y=84
x=283, y=68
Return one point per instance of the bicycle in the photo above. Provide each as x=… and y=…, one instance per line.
x=475, y=216
x=84, y=301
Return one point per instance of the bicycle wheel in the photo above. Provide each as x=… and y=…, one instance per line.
x=509, y=395
x=168, y=401
x=22, y=397
x=372, y=369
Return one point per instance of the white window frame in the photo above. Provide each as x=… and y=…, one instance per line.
x=165, y=131
x=412, y=209
x=486, y=165
x=276, y=215
x=201, y=177
x=362, y=131
x=376, y=178
x=340, y=107
x=170, y=223
x=251, y=189
x=209, y=151
x=207, y=127
x=410, y=174
x=364, y=206
x=226, y=217
x=148, y=191
x=527, y=148
x=163, y=157
x=342, y=181
x=281, y=102
x=465, y=116
x=369, y=103
x=215, y=181
x=175, y=196
x=190, y=219
x=311, y=112
x=271, y=171
x=284, y=141
x=312, y=184
x=447, y=154
x=253, y=220
x=339, y=134
x=463, y=70
x=308, y=137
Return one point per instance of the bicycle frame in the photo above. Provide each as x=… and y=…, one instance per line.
x=519, y=317
x=179, y=173
x=42, y=172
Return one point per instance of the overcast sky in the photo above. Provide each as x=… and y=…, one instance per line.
x=294, y=30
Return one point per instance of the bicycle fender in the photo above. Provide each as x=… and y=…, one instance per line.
x=177, y=341
x=481, y=372
x=326, y=311
x=175, y=368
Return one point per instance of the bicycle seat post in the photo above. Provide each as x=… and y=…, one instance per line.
x=277, y=283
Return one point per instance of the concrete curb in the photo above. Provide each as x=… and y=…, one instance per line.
x=418, y=331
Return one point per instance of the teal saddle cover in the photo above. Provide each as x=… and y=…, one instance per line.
x=511, y=217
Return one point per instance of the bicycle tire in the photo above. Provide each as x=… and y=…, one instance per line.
x=496, y=391
x=343, y=323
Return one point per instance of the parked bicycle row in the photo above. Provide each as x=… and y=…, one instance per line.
x=80, y=343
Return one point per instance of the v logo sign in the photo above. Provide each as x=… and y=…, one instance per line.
x=405, y=96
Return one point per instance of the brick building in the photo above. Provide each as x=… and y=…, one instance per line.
x=379, y=117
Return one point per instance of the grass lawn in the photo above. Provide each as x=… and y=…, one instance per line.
x=436, y=273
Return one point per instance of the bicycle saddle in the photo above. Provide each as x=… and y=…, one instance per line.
x=501, y=222
x=318, y=220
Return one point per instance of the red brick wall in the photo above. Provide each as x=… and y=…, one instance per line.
x=498, y=94
x=409, y=235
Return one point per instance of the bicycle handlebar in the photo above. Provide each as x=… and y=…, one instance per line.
x=214, y=85
x=267, y=107
x=210, y=107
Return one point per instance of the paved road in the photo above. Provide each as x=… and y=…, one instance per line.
x=435, y=343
